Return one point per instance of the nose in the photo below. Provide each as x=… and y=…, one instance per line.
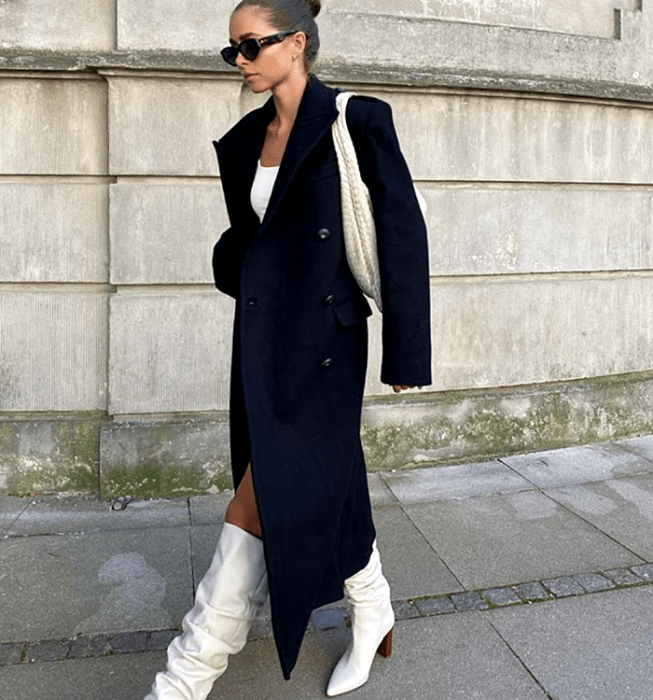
x=240, y=60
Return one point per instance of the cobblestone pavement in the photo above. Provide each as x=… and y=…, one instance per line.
x=100, y=645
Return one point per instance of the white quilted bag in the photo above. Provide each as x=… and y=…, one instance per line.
x=357, y=215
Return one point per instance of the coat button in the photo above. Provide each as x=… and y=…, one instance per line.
x=327, y=363
x=252, y=301
x=323, y=234
x=328, y=300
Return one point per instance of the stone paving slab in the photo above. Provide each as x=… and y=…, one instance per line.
x=58, y=586
x=10, y=509
x=453, y=658
x=642, y=446
x=380, y=493
x=52, y=515
x=525, y=536
x=622, y=508
x=209, y=509
x=126, y=677
x=597, y=647
x=409, y=563
x=334, y=616
x=203, y=541
x=578, y=465
x=456, y=482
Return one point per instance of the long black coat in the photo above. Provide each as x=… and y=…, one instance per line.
x=300, y=342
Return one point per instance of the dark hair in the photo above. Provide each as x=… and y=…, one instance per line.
x=292, y=14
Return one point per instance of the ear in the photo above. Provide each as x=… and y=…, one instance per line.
x=299, y=42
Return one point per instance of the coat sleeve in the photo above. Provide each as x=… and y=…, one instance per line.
x=229, y=251
x=228, y=254
x=402, y=246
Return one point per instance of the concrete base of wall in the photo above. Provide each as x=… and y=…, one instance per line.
x=177, y=456
x=165, y=458
x=471, y=426
x=49, y=453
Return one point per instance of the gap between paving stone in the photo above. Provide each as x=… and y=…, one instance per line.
x=99, y=645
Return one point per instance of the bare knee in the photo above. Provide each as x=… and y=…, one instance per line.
x=242, y=510
x=244, y=516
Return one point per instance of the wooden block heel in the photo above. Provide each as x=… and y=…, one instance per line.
x=385, y=648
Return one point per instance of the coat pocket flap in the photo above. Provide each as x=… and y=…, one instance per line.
x=352, y=311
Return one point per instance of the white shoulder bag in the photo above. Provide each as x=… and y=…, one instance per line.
x=357, y=215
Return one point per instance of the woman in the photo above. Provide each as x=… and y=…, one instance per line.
x=300, y=523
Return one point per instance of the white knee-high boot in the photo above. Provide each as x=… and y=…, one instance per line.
x=227, y=601
x=372, y=621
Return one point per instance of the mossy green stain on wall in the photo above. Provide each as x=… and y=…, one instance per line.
x=155, y=481
x=54, y=455
x=479, y=425
x=180, y=457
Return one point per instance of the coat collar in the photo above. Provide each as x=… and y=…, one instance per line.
x=317, y=112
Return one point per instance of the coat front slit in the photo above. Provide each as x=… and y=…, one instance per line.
x=300, y=343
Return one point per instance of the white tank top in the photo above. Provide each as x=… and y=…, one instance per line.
x=262, y=188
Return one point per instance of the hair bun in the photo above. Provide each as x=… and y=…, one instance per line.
x=315, y=6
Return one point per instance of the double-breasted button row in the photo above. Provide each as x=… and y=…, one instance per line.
x=328, y=300
x=323, y=234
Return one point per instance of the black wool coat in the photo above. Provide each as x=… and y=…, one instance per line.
x=300, y=342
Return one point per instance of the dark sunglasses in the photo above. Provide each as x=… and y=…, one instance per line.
x=250, y=47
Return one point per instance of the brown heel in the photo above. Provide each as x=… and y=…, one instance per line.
x=385, y=648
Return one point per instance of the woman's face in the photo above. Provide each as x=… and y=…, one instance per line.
x=275, y=62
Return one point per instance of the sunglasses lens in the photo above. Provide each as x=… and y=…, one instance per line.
x=250, y=48
x=229, y=54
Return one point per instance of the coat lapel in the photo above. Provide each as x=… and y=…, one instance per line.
x=317, y=112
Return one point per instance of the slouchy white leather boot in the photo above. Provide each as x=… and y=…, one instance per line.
x=227, y=601
x=372, y=620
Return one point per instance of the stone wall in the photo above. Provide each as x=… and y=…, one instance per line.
x=528, y=126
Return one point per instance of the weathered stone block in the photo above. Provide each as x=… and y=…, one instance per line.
x=53, y=232
x=51, y=650
x=593, y=18
x=470, y=600
x=441, y=428
x=49, y=455
x=434, y=52
x=165, y=127
x=490, y=231
x=164, y=458
x=164, y=234
x=50, y=25
x=173, y=25
x=531, y=591
x=53, y=351
x=53, y=126
x=501, y=332
x=563, y=586
x=476, y=137
x=170, y=352
x=531, y=331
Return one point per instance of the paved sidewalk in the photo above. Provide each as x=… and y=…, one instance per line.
x=524, y=577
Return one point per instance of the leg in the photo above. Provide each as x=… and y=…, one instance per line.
x=372, y=622
x=228, y=599
x=242, y=510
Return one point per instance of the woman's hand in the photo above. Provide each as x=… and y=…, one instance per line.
x=399, y=387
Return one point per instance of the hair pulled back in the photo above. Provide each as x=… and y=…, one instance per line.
x=285, y=15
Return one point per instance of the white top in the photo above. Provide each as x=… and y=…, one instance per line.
x=262, y=188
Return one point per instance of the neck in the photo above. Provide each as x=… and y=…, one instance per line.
x=287, y=97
